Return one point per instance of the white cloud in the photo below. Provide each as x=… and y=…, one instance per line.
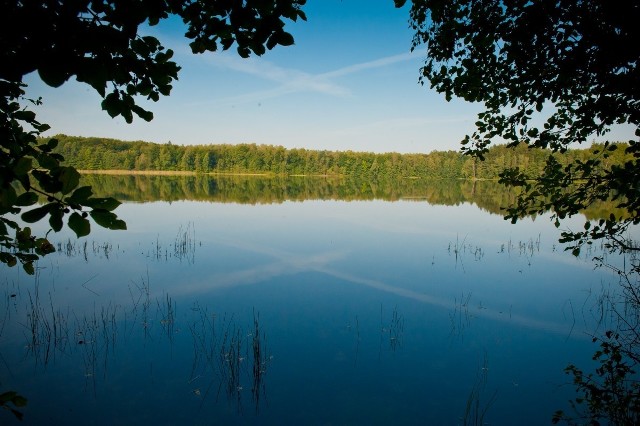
x=293, y=80
x=377, y=63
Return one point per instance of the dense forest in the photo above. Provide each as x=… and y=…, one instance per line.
x=89, y=153
x=485, y=194
x=269, y=190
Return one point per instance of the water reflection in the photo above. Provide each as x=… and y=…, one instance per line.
x=392, y=331
x=286, y=263
x=229, y=359
x=487, y=195
x=291, y=263
x=322, y=311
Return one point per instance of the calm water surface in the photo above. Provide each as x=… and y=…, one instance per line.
x=313, y=312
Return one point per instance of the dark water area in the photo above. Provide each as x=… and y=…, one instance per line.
x=270, y=301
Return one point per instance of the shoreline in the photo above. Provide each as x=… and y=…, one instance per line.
x=117, y=172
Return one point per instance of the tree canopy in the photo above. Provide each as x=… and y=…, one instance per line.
x=100, y=44
x=91, y=153
x=549, y=73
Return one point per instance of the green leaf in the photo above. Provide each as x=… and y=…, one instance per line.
x=55, y=219
x=112, y=105
x=10, y=260
x=8, y=197
x=23, y=166
x=19, y=401
x=108, y=220
x=47, y=161
x=7, y=396
x=80, y=195
x=36, y=214
x=52, y=75
x=271, y=42
x=42, y=127
x=23, y=234
x=28, y=267
x=10, y=223
x=27, y=199
x=108, y=204
x=70, y=178
x=25, y=115
x=24, y=181
x=79, y=225
x=142, y=113
x=44, y=247
x=285, y=39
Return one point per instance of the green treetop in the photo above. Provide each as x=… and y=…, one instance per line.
x=550, y=73
x=99, y=43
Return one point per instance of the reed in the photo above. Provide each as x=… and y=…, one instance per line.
x=230, y=357
x=475, y=410
x=393, y=330
x=167, y=310
x=184, y=245
x=460, y=318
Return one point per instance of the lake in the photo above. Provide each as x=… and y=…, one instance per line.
x=301, y=301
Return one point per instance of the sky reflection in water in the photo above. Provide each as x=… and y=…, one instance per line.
x=369, y=312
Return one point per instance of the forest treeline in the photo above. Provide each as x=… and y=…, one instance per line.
x=487, y=195
x=90, y=153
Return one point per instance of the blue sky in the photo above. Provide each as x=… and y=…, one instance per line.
x=349, y=83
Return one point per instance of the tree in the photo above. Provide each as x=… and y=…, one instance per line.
x=99, y=43
x=551, y=73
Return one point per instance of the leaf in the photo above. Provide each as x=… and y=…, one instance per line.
x=271, y=42
x=25, y=115
x=19, y=401
x=142, y=113
x=27, y=199
x=23, y=234
x=52, y=75
x=55, y=219
x=28, y=267
x=24, y=181
x=8, y=196
x=23, y=166
x=36, y=214
x=11, y=260
x=79, y=225
x=70, y=178
x=108, y=220
x=285, y=39
x=80, y=195
x=7, y=396
x=44, y=247
x=112, y=104
x=108, y=204
x=42, y=127
x=47, y=161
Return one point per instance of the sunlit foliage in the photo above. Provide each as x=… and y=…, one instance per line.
x=100, y=44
